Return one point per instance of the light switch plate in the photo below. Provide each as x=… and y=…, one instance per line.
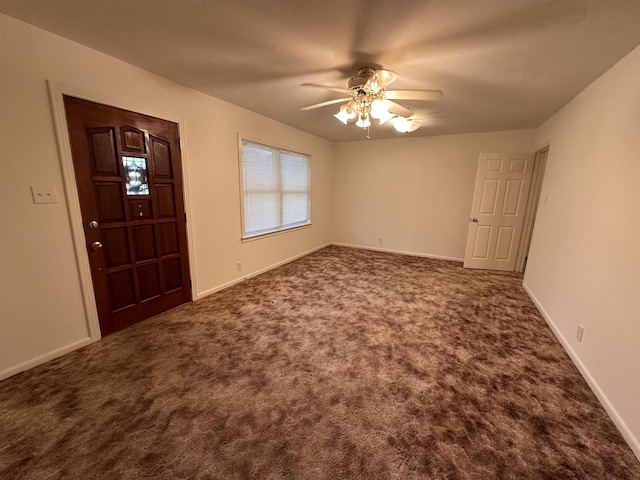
x=44, y=195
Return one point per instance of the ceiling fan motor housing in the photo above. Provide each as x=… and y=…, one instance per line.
x=360, y=80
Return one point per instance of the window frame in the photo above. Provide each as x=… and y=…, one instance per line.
x=281, y=229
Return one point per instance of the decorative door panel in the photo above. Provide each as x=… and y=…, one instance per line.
x=129, y=179
x=167, y=238
x=115, y=242
x=172, y=274
x=132, y=140
x=140, y=209
x=512, y=197
x=103, y=152
x=149, y=281
x=481, y=243
x=166, y=207
x=109, y=202
x=489, y=196
x=144, y=242
x=121, y=289
x=161, y=158
x=504, y=243
x=497, y=212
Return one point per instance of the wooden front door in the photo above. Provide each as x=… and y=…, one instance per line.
x=129, y=178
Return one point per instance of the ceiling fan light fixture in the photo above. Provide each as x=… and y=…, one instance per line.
x=385, y=117
x=342, y=116
x=346, y=113
x=363, y=121
x=401, y=124
x=379, y=109
x=367, y=98
x=405, y=125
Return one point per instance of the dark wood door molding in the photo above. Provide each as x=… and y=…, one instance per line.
x=129, y=176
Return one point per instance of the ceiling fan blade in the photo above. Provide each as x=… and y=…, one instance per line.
x=325, y=87
x=398, y=109
x=324, y=104
x=386, y=77
x=413, y=126
x=427, y=95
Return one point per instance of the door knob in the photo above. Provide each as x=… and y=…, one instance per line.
x=93, y=224
x=96, y=245
x=474, y=220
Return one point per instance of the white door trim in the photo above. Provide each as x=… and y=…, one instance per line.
x=56, y=92
x=539, y=165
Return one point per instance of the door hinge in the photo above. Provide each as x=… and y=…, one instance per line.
x=190, y=284
x=179, y=144
x=185, y=218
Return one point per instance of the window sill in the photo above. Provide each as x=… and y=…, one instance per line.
x=272, y=234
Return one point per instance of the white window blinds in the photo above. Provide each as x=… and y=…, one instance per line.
x=275, y=189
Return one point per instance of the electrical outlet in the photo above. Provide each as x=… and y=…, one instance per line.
x=579, y=333
x=380, y=241
x=239, y=266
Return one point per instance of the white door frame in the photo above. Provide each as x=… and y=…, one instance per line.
x=56, y=92
x=540, y=162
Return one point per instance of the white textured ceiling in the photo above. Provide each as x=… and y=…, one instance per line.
x=502, y=64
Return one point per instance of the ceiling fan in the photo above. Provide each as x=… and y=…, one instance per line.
x=367, y=98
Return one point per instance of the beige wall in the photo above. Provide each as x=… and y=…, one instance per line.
x=414, y=193
x=584, y=263
x=41, y=305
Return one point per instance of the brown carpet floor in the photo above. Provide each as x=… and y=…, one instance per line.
x=346, y=364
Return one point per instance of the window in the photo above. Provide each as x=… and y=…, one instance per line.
x=275, y=189
x=136, y=171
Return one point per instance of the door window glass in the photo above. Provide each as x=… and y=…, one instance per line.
x=137, y=179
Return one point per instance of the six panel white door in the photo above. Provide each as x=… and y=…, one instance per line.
x=497, y=213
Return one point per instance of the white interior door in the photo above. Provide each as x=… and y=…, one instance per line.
x=497, y=213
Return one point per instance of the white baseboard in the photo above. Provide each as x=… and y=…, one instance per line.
x=401, y=252
x=86, y=341
x=44, y=358
x=619, y=422
x=210, y=291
